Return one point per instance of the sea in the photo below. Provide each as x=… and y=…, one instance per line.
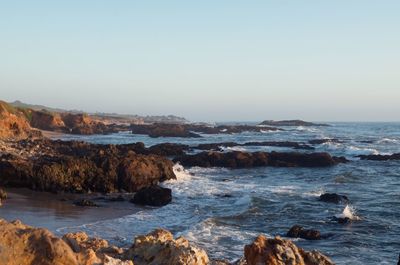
x=222, y=210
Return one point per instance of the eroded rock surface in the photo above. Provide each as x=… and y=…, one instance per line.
x=160, y=248
x=277, y=251
x=57, y=166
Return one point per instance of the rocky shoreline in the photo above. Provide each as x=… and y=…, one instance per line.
x=23, y=244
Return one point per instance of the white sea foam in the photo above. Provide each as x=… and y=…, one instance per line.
x=314, y=193
x=348, y=212
x=350, y=150
x=285, y=189
x=306, y=129
x=234, y=148
x=181, y=174
x=388, y=141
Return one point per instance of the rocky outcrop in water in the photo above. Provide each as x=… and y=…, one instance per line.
x=163, y=130
x=380, y=157
x=333, y=198
x=81, y=167
x=291, y=123
x=160, y=247
x=325, y=140
x=299, y=232
x=153, y=196
x=217, y=146
x=258, y=159
x=168, y=149
x=193, y=130
x=277, y=251
x=229, y=129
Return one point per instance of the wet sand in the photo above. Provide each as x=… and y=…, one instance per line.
x=55, y=211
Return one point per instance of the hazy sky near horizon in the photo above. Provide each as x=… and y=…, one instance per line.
x=205, y=60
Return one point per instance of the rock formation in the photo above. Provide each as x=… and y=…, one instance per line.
x=153, y=196
x=277, y=251
x=298, y=231
x=81, y=167
x=160, y=248
x=14, y=124
x=333, y=198
x=245, y=160
x=291, y=123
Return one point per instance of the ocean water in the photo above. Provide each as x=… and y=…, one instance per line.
x=221, y=210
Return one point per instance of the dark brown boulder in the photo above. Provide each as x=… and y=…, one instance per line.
x=333, y=198
x=153, y=196
x=162, y=130
x=168, y=149
x=299, y=232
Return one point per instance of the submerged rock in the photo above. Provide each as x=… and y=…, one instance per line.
x=291, y=123
x=257, y=159
x=380, y=157
x=85, y=203
x=299, y=231
x=159, y=247
x=326, y=140
x=278, y=251
x=333, y=198
x=153, y=196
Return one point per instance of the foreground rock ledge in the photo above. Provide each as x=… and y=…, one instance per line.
x=277, y=251
x=25, y=245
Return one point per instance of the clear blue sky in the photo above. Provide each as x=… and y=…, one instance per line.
x=205, y=60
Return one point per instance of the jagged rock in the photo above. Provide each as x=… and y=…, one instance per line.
x=298, y=231
x=277, y=251
x=22, y=244
x=112, y=261
x=46, y=120
x=14, y=124
x=160, y=248
x=80, y=241
x=153, y=196
x=81, y=167
x=245, y=160
x=333, y=198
